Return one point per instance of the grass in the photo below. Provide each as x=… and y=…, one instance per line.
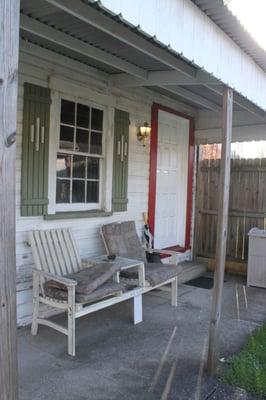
x=247, y=370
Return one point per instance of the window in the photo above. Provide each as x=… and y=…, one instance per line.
x=79, y=157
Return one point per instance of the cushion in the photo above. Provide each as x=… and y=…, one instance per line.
x=88, y=279
x=155, y=273
x=122, y=240
x=107, y=289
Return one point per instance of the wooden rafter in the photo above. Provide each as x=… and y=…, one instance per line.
x=158, y=78
x=53, y=35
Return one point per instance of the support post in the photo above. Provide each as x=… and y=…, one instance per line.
x=9, y=43
x=224, y=188
x=137, y=305
x=174, y=292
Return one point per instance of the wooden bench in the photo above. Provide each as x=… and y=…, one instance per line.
x=56, y=258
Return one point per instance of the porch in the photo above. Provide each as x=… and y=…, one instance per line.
x=162, y=358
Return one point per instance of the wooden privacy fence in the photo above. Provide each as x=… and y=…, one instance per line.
x=247, y=207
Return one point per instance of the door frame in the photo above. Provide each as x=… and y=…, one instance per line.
x=153, y=168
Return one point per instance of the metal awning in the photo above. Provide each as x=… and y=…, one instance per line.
x=87, y=33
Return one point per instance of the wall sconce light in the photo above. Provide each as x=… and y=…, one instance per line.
x=144, y=133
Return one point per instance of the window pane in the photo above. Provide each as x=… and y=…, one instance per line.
x=92, y=192
x=82, y=141
x=96, y=119
x=67, y=112
x=93, y=170
x=96, y=143
x=79, y=166
x=62, y=191
x=83, y=116
x=66, y=138
x=78, y=191
x=63, y=165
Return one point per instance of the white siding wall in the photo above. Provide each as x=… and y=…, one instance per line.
x=41, y=70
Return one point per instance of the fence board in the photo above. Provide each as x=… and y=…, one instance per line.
x=247, y=207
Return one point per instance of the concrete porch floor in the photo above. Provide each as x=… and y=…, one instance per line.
x=161, y=358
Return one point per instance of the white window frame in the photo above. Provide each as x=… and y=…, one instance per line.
x=106, y=159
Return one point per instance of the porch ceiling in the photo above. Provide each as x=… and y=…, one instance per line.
x=84, y=32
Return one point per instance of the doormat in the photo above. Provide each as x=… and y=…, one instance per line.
x=201, y=282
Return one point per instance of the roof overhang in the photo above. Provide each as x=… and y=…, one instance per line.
x=130, y=57
x=222, y=16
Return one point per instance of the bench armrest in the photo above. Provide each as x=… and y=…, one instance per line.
x=141, y=272
x=61, y=279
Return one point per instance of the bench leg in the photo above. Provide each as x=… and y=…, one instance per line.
x=174, y=291
x=71, y=322
x=35, y=303
x=137, y=309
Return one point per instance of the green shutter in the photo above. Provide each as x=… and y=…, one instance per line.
x=120, y=162
x=35, y=150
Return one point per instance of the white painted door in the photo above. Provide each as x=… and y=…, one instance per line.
x=172, y=177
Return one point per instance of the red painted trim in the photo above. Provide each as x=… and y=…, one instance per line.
x=153, y=169
x=178, y=249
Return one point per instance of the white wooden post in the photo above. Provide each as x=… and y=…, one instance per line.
x=36, y=294
x=9, y=42
x=213, y=350
x=71, y=326
x=174, y=292
x=137, y=304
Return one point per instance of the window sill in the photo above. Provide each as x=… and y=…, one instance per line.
x=78, y=214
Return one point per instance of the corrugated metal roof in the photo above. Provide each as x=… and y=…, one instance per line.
x=68, y=24
x=223, y=17
x=60, y=21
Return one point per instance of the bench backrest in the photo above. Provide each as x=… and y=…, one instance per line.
x=55, y=251
x=121, y=239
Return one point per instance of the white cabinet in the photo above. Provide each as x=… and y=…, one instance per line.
x=257, y=258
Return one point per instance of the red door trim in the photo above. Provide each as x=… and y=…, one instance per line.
x=153, y=167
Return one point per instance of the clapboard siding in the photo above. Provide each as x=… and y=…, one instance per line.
x=86, y=231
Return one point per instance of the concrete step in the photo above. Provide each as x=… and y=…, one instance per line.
x=191, y=270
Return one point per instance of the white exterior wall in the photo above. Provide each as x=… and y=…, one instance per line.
x=42, y=71
x=194, y=35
